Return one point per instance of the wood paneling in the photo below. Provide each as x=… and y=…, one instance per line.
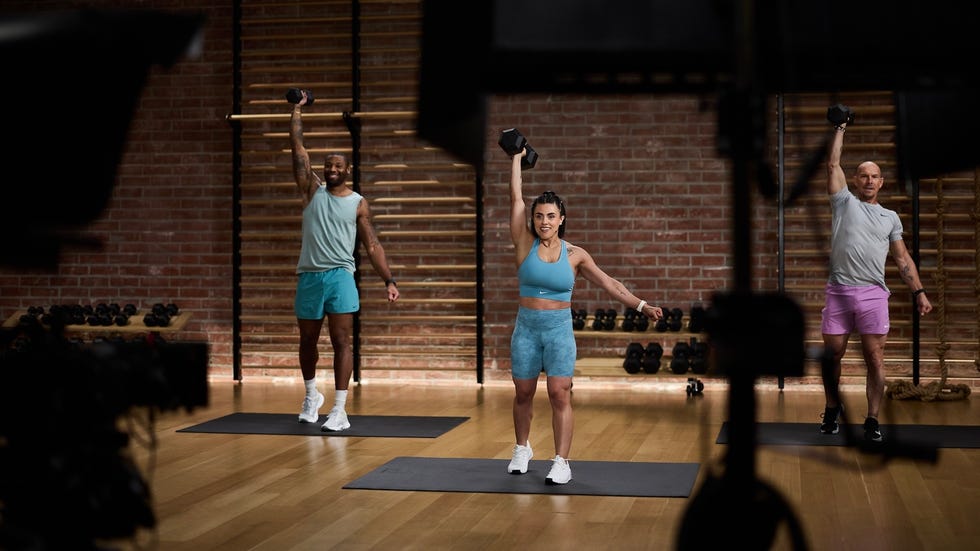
x=220, y=491
x=363, y=63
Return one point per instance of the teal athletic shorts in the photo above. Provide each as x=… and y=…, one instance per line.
x=542, y=339
x=322, y=293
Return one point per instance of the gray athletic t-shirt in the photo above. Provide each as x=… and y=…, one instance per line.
x=329, y=232
x=859, y=240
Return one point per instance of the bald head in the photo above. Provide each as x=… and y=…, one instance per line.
x=867, y=181
x=868, y=167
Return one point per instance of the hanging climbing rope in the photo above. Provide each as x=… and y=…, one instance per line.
x=937, y=390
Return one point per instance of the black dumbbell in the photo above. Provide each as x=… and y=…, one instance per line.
x=159, y=315
x=33, y=316
x=295, y=95
x=696, y=323
x=694, y=387
x=839, y=114
x=77, y=314
x=599, y=321
x=27, y=320
x=676, y=319
x=634, y=321
x=609, y=322
x=578, y=319
x=100, y=319
x=651, y=357
x=634, y=358
x=56, y=315
x=641, y=322
x=680, y=361
x=629, y=319
x=512, y=142
x=122, y=315
x=663, y=323
x=156, y=320
x=699, y=356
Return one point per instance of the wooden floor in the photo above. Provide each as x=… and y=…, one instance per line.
x=236, y=492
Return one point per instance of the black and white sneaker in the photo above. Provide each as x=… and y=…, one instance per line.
x=831, y=420
x=872, y=432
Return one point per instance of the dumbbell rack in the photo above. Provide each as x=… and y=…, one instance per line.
x=612, y=366
x=134, y=327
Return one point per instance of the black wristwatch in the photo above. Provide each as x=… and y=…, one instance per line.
x=391, y=282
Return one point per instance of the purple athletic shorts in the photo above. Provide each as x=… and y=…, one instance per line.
x=851, y=308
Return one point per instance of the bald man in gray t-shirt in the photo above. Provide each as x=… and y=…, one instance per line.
x=863, y=233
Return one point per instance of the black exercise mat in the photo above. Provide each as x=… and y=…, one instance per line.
x=392, y=426
x=808, y=434
x=599, y=478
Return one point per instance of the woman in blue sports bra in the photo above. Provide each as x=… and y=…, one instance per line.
x=543, y=339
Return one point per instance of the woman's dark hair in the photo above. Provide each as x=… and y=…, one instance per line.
x=550, y=197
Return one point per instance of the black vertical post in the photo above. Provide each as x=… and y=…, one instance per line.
x=914, y=190
x=781, y=201
x=744, y=127
x=741, y=412
x=479, y=278
x=236, y=203
x=354, y=127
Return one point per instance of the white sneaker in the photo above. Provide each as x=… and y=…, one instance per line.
x=518, y=463
x=560, y=472
x=311, y=405
x=337, y=420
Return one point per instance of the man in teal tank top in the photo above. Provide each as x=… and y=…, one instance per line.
x=334, y=217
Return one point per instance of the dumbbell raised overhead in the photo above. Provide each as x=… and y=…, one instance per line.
x=295, y=95
x=512, y=142
x=839, y=114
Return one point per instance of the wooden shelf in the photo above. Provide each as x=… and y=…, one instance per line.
x=649, y=334
x=135, y=325
x=613, y=367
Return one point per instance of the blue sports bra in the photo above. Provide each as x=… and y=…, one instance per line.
x=550, y=280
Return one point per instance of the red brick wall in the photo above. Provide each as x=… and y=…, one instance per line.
x=646, y=194
x=166, y=233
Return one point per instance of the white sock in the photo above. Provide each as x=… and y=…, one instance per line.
x=310, y=386
x=340, y=400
